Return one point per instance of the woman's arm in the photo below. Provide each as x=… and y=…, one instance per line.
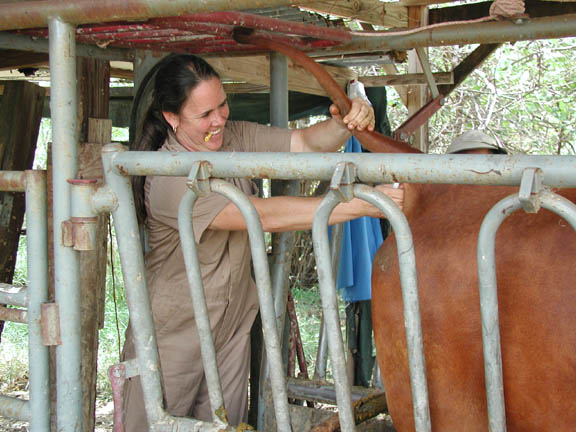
x=287, y=213
x=330, y=135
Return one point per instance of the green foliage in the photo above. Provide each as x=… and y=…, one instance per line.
x=523, y=94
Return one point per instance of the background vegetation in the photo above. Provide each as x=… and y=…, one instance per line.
x=524, y=95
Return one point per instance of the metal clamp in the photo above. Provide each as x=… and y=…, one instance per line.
x=530, y=188
x=199, y=178
x=342, y=182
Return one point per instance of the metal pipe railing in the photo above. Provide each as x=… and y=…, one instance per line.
x=411, y=306
x=16, y=16
x=502, y=170
x=37, y=409
x=330, y=309
x=198, y=297
x=37, y=253
x=133, y=269
x=267, y=311
x=63, y=105
x=13, y=295
x=117, y=197
x=489, y=295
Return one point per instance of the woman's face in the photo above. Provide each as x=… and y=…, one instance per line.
x=200, y=123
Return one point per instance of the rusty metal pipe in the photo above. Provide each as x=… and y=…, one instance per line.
x=32, y=14
x=462, y=34
x=373, y=141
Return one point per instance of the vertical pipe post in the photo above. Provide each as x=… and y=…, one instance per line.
x=285, y=241
x=133, y=269
x=63, y=106
x=37, y=247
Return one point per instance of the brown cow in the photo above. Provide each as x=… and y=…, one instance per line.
x=537, y=309
x=537, y=302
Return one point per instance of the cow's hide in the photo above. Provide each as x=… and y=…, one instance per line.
x=536, y=273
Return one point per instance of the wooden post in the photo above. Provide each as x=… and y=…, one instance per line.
x=417, y=16
x=20, y=115
x=95, y=130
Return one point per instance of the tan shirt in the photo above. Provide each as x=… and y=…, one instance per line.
x=224, y=255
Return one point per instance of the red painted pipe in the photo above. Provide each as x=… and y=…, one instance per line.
x=239, y=19
x=373, y=141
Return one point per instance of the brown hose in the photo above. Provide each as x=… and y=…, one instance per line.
x=372, y=141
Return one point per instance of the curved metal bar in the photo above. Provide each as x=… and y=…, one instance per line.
x=330, y=309
x=137, y=298
x=409, y=282
x=489, y=295
x=199, y=303
x=264, y=286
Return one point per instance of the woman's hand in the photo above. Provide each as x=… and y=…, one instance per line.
x=360, y=117
x=396, y=193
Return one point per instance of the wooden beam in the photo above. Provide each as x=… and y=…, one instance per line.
x=390, y=14
x=467, y=66
x=423, y=2
x=255, y=70
x=405, y=79
x=14, y=59
x=20, y=115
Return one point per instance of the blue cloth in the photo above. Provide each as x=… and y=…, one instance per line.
x=361, y=238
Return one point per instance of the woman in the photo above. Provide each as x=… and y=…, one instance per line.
x=189, y=112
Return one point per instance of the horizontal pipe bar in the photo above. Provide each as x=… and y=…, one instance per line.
x=28, y=43
x=32, y=14
x=461, y=34
x=13, y=315
x=12, y=181
x=15, y=408
x=13, y=295
x=322, y=391
x=558, y=171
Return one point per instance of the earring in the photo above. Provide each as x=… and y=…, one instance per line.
x=175, y=128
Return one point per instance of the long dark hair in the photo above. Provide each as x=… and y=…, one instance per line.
x=175, y=76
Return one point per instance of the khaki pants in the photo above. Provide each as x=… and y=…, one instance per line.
x=186, y=393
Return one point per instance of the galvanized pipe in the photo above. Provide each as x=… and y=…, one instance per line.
x=12, y=181
x=267, y=312
x=37, y=252
x=13, y=315
x=461, y=34
x=63, y=105
x=559, y=171
x=330, y=309
x=28, y=43
x=322, y=351
x=14, y=296
x=489, y=295
x=282, y=254
x=36, y=13
x=411, y=305
x=133, y=269
x=198, y=297
x=15, y=408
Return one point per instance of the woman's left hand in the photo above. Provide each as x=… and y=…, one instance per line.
x=360, y=117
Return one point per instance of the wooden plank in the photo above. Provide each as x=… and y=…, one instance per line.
x=20, y=115
x=390, y=14
x=255, y=70
x=93, y=100
x=405, y=79
x=417, y=16
x=468, y=65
